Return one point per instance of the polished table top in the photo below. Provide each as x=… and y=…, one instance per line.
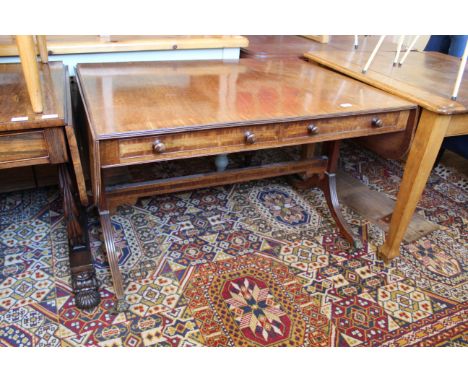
x=15, y=106
x=426, y=78
x=131, y=99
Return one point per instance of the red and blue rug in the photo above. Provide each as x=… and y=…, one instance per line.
x=255, y=264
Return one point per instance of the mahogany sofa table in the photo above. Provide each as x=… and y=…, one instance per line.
x=427, y=79
x=141, y=113
x=28, y=138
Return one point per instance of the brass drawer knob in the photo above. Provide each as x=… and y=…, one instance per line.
x=159, y=147
x=377, y=122
x=250, y=138
x=312, y=129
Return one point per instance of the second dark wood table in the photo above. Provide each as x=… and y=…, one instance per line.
x=28, y=138
x=148, y=112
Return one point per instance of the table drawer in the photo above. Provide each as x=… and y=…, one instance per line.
x=32, y=147
x=245, y=138
x=345, y=127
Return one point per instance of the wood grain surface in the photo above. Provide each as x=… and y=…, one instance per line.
x=266, y=47
x=426, y=78
x=73, y=44
x=134, y=99
x=15, y=103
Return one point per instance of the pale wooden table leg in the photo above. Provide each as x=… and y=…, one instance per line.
x=27, y=53
x=42, y=45
x=426, y=145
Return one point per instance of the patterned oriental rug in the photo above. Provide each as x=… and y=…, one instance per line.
x=254, y=264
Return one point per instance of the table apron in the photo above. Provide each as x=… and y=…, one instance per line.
x=139, y=150
x=31, y=147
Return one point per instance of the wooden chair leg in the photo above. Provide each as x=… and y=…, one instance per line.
x=42, y=45
x=112, y=256
x=426, y=145
x=27, y=53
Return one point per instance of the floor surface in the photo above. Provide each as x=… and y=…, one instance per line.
x=255, y=264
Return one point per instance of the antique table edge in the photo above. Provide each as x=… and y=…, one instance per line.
x=193, y=128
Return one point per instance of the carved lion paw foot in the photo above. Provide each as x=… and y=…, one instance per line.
x=87, y=299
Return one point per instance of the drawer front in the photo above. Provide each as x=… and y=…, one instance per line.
x=355, y=126
x=206, y=141
x=245, y=138
x=21, y=146
x=32, y=147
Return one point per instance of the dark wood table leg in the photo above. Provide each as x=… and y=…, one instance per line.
x=84, y=283
x=328, y=185
x=121, y=305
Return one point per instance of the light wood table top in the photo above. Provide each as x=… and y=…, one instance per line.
x=295, y=46
x=426, y=78
x=144, y=98
x=16, y=111
x=121, y=43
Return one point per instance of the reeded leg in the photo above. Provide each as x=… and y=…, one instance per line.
x=121, y=305
x=328, y=185
x=84, y=282
x=423, y=153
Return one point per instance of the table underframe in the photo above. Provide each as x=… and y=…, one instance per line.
x=315, y=171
